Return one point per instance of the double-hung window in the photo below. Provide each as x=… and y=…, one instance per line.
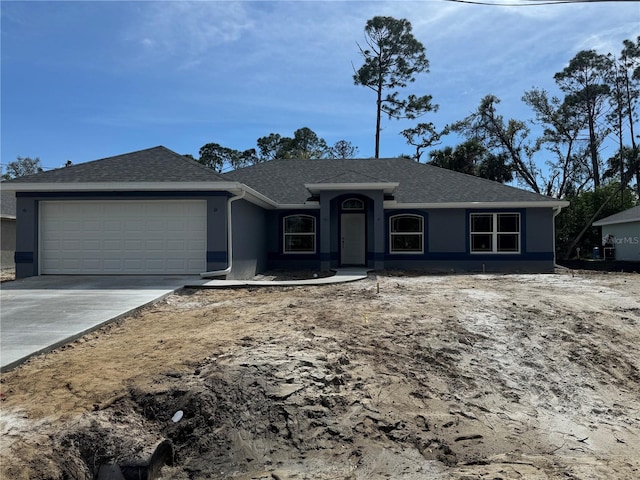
x=495, y=233
x=299, y=234
x=406, y=234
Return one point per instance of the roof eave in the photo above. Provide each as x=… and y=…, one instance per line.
x=231, y=187
x=119, y=186
x=387, y=187
x=392, y=204
x=604, y=223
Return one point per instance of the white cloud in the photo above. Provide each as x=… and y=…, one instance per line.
x=183, y=33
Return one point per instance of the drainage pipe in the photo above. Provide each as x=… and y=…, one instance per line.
x=556, y=212
x=218, y=273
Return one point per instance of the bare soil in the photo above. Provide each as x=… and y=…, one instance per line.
x=7, y=274
x=423, y=377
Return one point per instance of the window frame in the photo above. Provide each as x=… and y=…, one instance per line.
x=286, y=234
x=419, y=234
x=352, y=209
x=495, y=233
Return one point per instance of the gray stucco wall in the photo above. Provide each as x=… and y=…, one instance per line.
x=7, y=242
x=626, y=240
x=249, y=240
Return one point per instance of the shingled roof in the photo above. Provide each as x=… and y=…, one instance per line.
x=157, y=164
x=284, y=181
x=629, y=215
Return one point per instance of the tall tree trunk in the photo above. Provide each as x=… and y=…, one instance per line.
x=594, y=153
x=378, y=117
x=630, y=112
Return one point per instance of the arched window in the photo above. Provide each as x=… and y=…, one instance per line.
x=353, y=204
x=299, y=232
x=406, y=234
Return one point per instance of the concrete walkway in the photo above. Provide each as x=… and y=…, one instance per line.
x=38, y=314
x=342, y=275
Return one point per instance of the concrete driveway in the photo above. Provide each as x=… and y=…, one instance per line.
x=38, y=314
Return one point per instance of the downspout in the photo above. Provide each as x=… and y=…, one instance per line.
x=556, y=212
x=218, y=273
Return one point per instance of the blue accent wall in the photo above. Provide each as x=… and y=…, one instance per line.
x=26, y=236
x=448, y=245
x=275, y=256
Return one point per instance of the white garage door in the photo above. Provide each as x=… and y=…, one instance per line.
x=123, y=237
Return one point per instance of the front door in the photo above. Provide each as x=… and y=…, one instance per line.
x=352, y=241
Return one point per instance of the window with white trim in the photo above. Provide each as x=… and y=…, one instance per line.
x=495, y=233
x=299, y=232
x=406, y=234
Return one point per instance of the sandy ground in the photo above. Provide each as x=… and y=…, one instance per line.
x=7, y=274
x=431, y=377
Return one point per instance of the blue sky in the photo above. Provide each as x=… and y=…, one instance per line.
x=87, y=80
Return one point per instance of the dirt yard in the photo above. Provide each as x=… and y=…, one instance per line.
x=429, y=377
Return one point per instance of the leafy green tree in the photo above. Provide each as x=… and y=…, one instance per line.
x=624, y=81
x=625, y=164
x=217, y=157
x=21, y=167
x=422, y=136
x=584, y=83
x=273, y=146
x=343, y=149
x=574, y=223
x=472, y=158
x=305, y=143
x=562, y=127
x=507, y=139
x=392, y=59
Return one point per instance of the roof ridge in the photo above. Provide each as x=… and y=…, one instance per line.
x=482, y=179
x=193, y=161
x=349, y=170
x=89, y=162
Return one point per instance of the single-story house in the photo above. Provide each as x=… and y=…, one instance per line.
x=7, y=227
x=621, y=232
x=157, y=212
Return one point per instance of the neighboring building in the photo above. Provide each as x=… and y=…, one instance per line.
x=157, y=212
x=622, y=233
x=7, y=227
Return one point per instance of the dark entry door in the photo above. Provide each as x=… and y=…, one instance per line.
x=352, y=242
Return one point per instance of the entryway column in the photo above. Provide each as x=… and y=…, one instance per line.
x=379, y=229
x=325, y=232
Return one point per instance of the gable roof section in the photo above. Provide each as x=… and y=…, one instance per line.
x=157, y=164
x=284, y=181
x=630, y=215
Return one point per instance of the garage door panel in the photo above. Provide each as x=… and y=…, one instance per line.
x=123, y=237
x=154, y=244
